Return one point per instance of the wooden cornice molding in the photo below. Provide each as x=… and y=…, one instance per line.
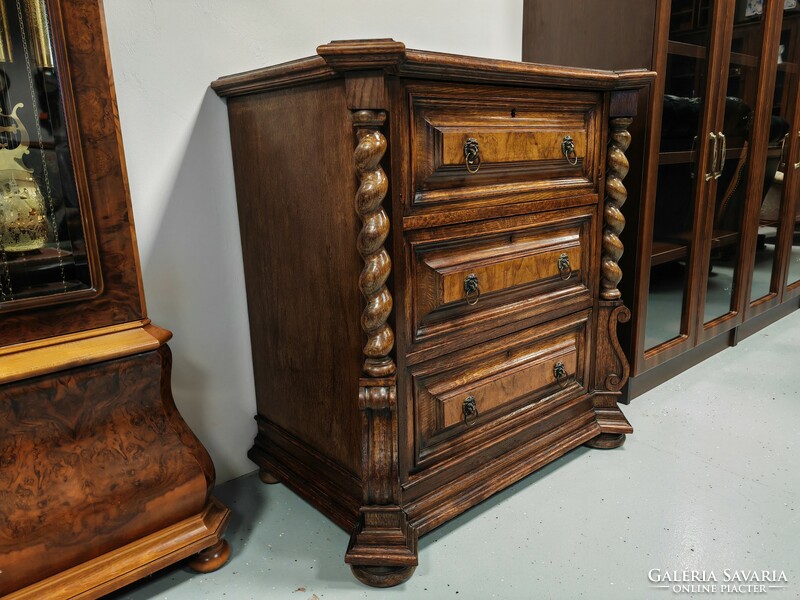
x=68, y=351
x=339, y=57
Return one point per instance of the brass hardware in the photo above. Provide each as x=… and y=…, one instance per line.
x=797, y=164
x=472, y=289
x=472, y=155
x=723, y=155
x=782, y=160
x=564, y=267
x=568, y=148
x=712, y=172
x=469, y=409
x=560, y=374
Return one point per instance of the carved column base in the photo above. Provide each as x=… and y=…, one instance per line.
x=606, y=441
x=383, y=548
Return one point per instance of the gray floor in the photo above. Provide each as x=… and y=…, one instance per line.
x=709, y=481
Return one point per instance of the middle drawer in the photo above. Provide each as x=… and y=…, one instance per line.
x=475, y=276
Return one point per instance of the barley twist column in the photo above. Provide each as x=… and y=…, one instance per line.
x=616, y=194
x=375, y=228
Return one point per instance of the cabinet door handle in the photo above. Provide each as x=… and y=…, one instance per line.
x=472, y=155
x=560, y=374
x=711, y=173
x=470, y=411
x=723, y=155
x=568, y=148
x=797, y=164
x=472, y=289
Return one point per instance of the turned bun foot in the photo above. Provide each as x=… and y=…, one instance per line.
x=211, y=558
x=267, y=477
x=606, y=441
x=382, y=576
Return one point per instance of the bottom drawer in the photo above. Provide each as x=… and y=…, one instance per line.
x=472, y=395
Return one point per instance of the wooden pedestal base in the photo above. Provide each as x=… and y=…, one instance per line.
x=99, y=576
x=101, y=481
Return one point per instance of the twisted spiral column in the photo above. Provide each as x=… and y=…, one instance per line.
x=616, y=194
x=370, y=148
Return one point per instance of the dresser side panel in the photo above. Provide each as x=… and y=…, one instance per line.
x=295, y=182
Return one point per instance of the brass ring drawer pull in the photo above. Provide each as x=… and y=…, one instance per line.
x=470, y=411
x=472, y=155
x=564, y=268
x=568, y=148
x=472, y=289
x=560, y=374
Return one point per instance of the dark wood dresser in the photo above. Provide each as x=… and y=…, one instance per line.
x=430, y=245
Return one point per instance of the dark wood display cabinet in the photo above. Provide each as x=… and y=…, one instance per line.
x=714, y=229
x=101, y=480
x=480, y=202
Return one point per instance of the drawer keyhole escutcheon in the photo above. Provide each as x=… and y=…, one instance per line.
x=472, y=289
x=564, y=268
x=568, y=148
x=472, y=155
x=560, y=374
x=470, y=411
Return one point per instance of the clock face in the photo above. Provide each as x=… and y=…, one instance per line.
x=43, y=246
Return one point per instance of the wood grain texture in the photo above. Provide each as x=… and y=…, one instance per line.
x=519, y=135
x=372, y=189
x=426, y=228
x=516, y=263
x=80, y=479
x=64, y=352
x=393, y=58
x=613, y=219
x=108, y=572
x=312, y=266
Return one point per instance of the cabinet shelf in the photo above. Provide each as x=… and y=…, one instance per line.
x=687, y=50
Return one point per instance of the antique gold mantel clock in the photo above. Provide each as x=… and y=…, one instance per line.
x=101, y=480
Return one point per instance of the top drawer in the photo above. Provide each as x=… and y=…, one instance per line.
x=518, y=140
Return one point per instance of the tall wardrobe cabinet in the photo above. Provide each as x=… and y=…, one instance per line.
x=101, y=480
x=713, y=237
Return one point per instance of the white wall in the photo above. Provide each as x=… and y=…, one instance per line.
x=164, y=54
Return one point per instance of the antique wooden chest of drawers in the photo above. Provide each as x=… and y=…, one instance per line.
x=430, y=246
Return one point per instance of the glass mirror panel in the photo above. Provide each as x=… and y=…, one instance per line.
x=735, y=149
x=42, y=240
x=684, y=105
x=775, y=193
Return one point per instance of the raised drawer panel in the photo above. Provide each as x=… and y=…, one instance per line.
x=475, y=276
x=473, y=393
x=519, y=142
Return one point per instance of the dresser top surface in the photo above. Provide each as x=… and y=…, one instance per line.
x=339, y=57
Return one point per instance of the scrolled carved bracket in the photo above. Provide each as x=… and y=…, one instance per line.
x=616, y=380
x=373, y=187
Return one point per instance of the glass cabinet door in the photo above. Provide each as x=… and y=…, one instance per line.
x=46, y=254
x=725, y=213
x=680, y=171
x=776, y=220
x=790, y=213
